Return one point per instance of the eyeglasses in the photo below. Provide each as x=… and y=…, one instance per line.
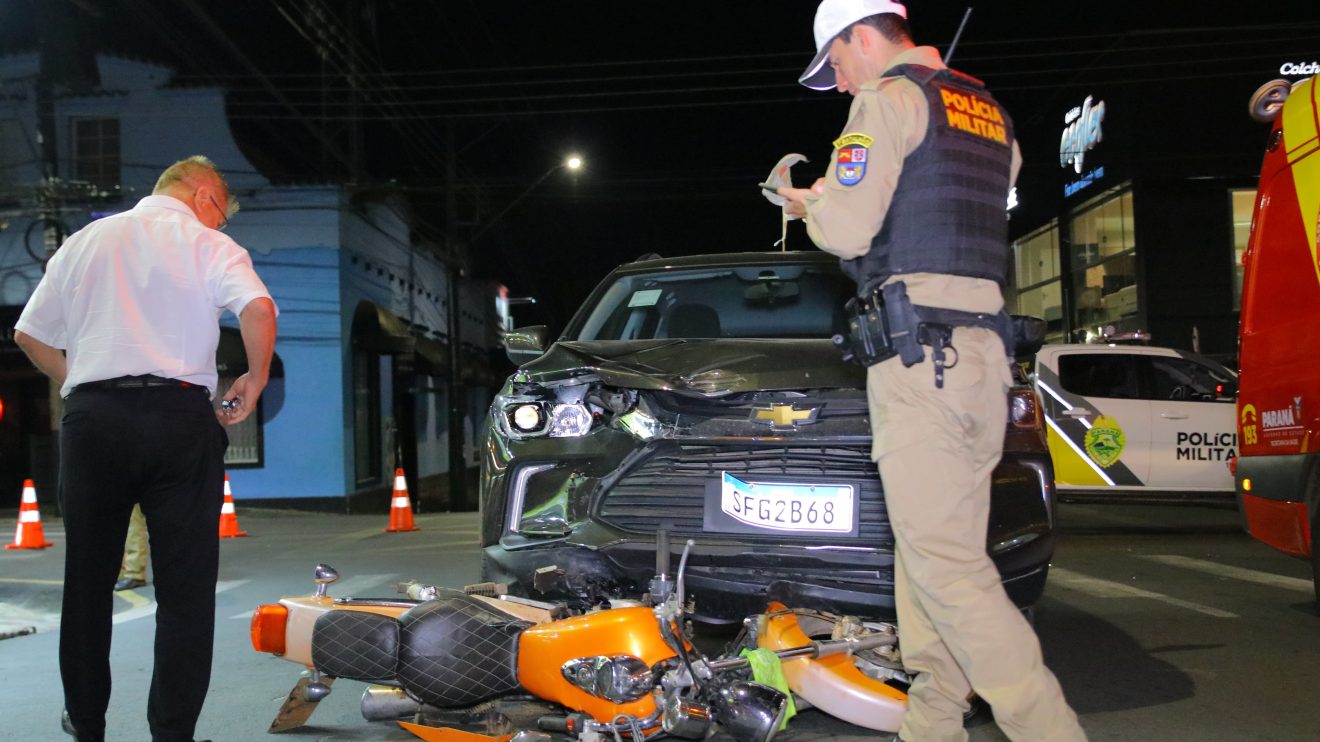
x=224, y=217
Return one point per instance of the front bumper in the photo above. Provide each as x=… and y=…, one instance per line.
x=732, y=580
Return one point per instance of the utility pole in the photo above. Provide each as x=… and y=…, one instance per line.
x=456, y=396
x=65, y=65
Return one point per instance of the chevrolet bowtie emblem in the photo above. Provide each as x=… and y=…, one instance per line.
x=784, y=415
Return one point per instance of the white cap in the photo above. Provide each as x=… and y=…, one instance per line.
x=832, y=17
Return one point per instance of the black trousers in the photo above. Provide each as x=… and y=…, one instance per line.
x=161, y=447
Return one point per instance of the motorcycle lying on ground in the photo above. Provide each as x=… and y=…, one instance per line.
x=444, y=662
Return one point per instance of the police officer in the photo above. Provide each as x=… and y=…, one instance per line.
x=915, y=199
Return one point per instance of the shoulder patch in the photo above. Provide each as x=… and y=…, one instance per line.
x=854, y=138
x=851, y=154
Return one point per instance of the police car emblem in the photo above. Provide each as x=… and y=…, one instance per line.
x=851, y=152
x=1105, y=441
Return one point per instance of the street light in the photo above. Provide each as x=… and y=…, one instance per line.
x=573, y=163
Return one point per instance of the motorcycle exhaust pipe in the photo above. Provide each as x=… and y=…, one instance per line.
x=383, y=703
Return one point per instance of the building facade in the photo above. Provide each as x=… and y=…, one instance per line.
x=1137, y=220
x=364, y=366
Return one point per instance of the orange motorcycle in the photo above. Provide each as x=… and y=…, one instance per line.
x=444, y=661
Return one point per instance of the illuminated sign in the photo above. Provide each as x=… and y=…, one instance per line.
x=1081, y=133
x=1084, y=181
x=1300, y=68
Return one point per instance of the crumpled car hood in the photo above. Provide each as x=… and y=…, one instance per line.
x=707, y=367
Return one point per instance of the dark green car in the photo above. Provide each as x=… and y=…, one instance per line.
x=703, y=396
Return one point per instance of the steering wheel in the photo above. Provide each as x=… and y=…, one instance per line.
x=1179, y=392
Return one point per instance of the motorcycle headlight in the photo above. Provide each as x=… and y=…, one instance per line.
x=620, y=679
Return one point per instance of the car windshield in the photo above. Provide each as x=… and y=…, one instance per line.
x=752, y=301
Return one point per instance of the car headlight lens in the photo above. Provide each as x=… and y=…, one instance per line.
x=527, y=410
x=569, y=421
x=527, y=418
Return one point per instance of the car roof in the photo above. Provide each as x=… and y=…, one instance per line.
x=1148, y=350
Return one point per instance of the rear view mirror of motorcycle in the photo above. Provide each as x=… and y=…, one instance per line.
x=661, y=586
x=682, y=569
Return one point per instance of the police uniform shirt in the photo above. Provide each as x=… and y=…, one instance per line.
x=893, y=113
x=141, y=292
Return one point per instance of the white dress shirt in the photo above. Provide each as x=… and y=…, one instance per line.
x=141, y=292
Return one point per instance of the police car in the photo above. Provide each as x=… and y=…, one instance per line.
x=1137, y=423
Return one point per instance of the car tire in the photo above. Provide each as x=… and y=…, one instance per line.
x=1315, y=556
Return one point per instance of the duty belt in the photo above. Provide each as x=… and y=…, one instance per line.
x=886, y=323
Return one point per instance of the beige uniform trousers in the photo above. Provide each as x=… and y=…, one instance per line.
x=958, y=630
x=135, y=547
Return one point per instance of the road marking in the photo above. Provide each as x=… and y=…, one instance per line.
x=149, y=608
x=21, y=581
x=345, y=589
x=1237, y=573
x=1099, y=588
x=133, y=597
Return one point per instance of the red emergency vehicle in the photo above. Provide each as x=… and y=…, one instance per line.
x=1278, y=469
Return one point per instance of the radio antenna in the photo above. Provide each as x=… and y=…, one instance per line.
x=954, y=44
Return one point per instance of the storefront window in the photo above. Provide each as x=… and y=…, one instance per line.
x=1036, y=270
x=1104, y=261
x=1243, y=203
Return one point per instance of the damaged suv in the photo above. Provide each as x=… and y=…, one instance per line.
x=702, y=396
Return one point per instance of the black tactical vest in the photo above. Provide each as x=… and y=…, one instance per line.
x=948, y=213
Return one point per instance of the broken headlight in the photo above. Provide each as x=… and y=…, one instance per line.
x=560, y=411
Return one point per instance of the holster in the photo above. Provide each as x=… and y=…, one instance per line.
x=867, y=342
x=885, y=323
x=904, y=325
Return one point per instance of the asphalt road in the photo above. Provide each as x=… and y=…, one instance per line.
x=1162, y=623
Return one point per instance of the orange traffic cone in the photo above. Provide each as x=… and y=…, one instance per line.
x=228, y=518
x=400, y=507
x=28, y=534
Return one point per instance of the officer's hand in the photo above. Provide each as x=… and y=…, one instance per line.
x=797, y=200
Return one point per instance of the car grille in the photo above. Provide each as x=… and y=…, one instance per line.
x=670, y=487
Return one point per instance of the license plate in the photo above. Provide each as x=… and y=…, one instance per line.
x=793, y=507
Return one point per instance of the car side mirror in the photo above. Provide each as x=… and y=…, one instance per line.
x=1028, y=335
x=525, y=343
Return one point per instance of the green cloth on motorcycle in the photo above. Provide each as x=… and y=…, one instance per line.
x=767, y=670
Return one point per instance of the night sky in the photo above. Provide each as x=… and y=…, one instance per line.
x=678, y=108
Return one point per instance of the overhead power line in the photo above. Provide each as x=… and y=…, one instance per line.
x=805, y=53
